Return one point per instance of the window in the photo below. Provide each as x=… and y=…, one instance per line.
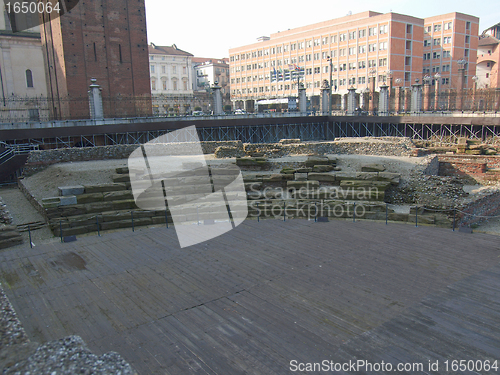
x=333, y=39
x=342, y=37
x=372, y=31
x=361, y=80
x=407, y=76
x=152, y=68
x=308, y=71
x=435, y=69
x=293, y=47
x=362, y=65
x=446, y=68
x=342, y=67
x=436, y=55
x=448, y=25
x=174, y=69
x=408, y=44
x=309, y=44
x=362, y=33
x=317, y=70
x=372, y=47
x=437, y=28
x=408, y=60
x=184, y=70
x=324, y=40
x=163, y=69
x=383, y=29
x=372, y=63
x=382, y=78
x=362, y=49
x=427, y=56
x=308, y=57
x=382, y=46
x=467, y=25
x=352, y=50
x=427, y=43
x=427, y=29
x=447, y=40
x=467, y=39
x=29, y=78
x=316, y=42
x=153, y=84
x=342, y=52
x=445, y=81
x=352, y=81
x=316, y=56
x=325, y=69
x=352, y=35
x=382, y=62
x=436, y=41
x=409, y=29
x=352, y=66
x=466, y=52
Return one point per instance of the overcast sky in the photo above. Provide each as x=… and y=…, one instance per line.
x=210, y=28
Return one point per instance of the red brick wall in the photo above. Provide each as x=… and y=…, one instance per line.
x=475, y=166
x=86, y=42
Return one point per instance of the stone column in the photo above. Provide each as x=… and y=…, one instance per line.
x=371, y=103
x=407, y=98
x=397, y=99
x=383, y=101
x=217, y=99
x=436, y=96
x=416, y=97
x=95, y=101
x=351, y=102
x=427, y=96
x=302, y=99
x=460, y=91
x=325, y=98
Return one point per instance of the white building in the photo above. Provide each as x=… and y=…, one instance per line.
x=22, y=71
x=209, y=71
x=171, y=73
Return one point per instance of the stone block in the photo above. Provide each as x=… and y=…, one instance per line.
x=323, y=168
x=300, y=176
x=251, y=162
x=121, y=178
x=71, y=190
x=373, y=167
x=303, y=170
x=327, y=177
x=158, y=219
x=117, y=195
x=99, y=207
x=319, y=160
x=122, y=170
x=473, y=152
x=273, y=178
x=309, y=185
x=68, y=200
x=380, y=185
x=89, y=189
x=10, y=242
x=127, y=204
x=288, y=171
x=89, y=198
x=396, y=216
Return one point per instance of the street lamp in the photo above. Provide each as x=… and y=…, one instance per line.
x=475, y=79
x=371, y=105
x=330, y=61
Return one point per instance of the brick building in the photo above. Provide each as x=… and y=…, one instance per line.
x=451, y=39
x=388, y=48
x=488, y=57
x=102, y=39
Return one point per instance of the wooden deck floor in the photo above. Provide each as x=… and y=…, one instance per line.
x=249, y=301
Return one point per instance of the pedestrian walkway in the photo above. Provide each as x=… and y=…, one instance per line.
x=24, y=213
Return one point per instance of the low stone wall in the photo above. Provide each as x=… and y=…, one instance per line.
x=479, y=210
x=39, y=160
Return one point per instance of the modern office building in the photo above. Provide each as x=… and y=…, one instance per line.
x=386, y=47
x=450, y=44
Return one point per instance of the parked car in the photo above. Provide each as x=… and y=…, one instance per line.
x=240, y=112
x=198, y=113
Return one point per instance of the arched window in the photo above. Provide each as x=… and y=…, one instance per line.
x=153, y=84
x=29, y=78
